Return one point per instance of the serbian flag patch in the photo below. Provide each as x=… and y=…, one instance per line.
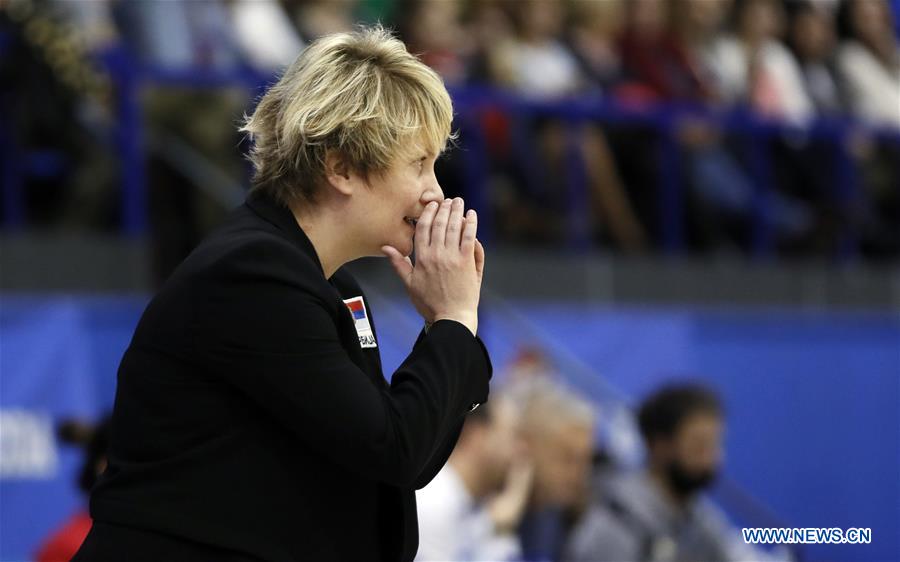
x=361, y=319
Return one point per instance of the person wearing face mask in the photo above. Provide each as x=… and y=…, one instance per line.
x=660, y=513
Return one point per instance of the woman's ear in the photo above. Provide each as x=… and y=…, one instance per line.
x=338, y=173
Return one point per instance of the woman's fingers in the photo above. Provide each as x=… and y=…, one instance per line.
x=479, y=259
x=470, y=231
x=439, y=227
x=455, y=224
x=402, y=265
x=423, y=227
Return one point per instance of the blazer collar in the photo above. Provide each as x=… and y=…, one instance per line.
x=274, y=212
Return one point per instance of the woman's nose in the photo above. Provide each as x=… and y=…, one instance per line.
x=433, y=193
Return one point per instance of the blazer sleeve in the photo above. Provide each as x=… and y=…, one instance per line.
x=277, y=342
x=445, y=448
x=440, y=456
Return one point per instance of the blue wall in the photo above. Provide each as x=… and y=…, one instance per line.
x=813, y=398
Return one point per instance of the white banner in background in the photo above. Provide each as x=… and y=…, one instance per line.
x=27, y=445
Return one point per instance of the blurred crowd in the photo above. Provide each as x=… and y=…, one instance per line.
x=533, y=479
x=794, y=63
x=529, y=480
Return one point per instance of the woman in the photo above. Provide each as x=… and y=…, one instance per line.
x=869, y=61
x=252, y=420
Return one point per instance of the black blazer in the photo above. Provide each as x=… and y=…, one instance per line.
x=252, y=419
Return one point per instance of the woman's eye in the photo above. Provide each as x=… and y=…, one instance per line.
x=421, y=164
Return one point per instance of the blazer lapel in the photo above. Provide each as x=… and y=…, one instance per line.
x=283, y=218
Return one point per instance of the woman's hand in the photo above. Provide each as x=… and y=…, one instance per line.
x=445, y=282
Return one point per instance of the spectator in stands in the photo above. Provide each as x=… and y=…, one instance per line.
x=194, y=168
x=756, y=69
x=725, y=190
x=798, y=161
x=317, y=18
x=472, y=508
x=657, y=58
x=434, y=31
x=869, y=61
x=180, y=35
x=812, y=39
x=660, y=513
x=490, y=29
x=265, y=34
x=665, y=48
x=558, y=428
x=592, y=37
x=537, y=64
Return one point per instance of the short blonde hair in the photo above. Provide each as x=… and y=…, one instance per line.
x=360, y=93
x=548, y=406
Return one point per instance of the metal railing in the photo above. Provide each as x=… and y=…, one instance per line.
x=471, y=104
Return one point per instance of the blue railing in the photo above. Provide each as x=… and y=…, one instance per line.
x=665, y=119
x=471, y=103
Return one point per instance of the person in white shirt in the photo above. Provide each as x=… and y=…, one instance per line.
x=471, y=510
x=755, y=68
x=869, y=61
x=267, y=36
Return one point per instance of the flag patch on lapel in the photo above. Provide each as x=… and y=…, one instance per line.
x=361, y=319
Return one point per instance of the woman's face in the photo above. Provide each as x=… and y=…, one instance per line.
x=647, y=17
x=760, y=19
x=813, y=35
x=870, y=19
x=393, y=198
x=541, y=19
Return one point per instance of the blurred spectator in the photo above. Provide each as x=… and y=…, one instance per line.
x=194, y=169
x=812, y=37
x=728, y=63
x=662, y=46
x=558, y=428
x=62, y=544
x=433, y=30
x=869, y=61
x=180, y=35
x=489, y=28
x=594, y=30
x=543, y=171
x=660, y=514
x=669, y=51
x=472, y=508
x=869, y=64
x=265, y=33
x=756, y=69
x=538, y=65
x=535, y=62
x=657, y=62
x=316, y=18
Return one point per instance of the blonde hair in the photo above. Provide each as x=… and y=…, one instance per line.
x=360, y=93
x=547, y=406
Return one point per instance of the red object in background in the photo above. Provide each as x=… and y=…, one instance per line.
x=634, y=95
x=62, y=545
x=665, y=67
x=495, y=125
